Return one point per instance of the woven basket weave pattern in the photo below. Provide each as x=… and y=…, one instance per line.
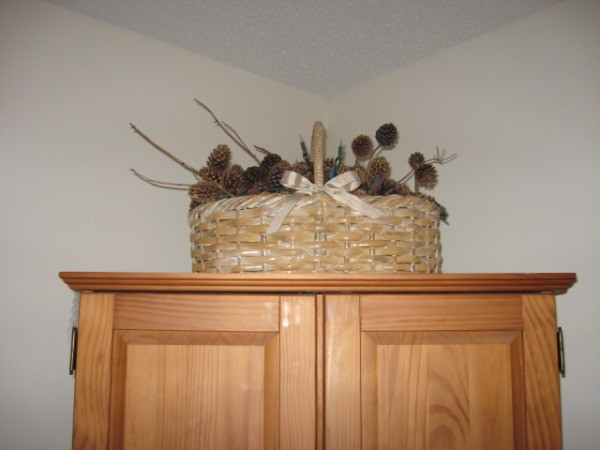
x=319, y=235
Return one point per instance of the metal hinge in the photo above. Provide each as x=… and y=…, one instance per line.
x=561, y=352
x=73, y=358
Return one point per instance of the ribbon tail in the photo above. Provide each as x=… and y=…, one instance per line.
x=283, y=212
x=357, y=204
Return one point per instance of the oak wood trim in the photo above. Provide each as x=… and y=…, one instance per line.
x=317, y=282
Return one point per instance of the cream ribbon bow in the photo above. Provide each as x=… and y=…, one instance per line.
x=337, y=188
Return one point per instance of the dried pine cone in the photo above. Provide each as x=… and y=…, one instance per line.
x=362, y=173
x=254, y=174
x=300, y=167
x=234, y=180
x=426, y=176
x=203, y=192
x=344, y=168
x=270, y=159
x=378, y=168
x=416, y=160
x=386, y=134
x=303, y=169
x=219, y=158
x=275, y=173
x=362, y=146
x=211, y=173
x=389, y=187
x=260, y=187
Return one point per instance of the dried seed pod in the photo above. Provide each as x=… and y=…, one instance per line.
x=220, y=157
x=416, y=160
x=362, y=173
x=426, y=176
x=362, y=146
x=270, y=159
x=275, y=173
x=234, y=180
x=378, y=168
x=203, y=192
x=254, y=174
x=390, y=187
x=211, y=173
x=260, y=187
x=386, y=134
x=300, y=167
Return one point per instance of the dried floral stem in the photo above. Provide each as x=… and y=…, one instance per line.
x=162, y=184
x=179, y=186
x=229, y=132
x=438, y=158
x=164, y=151
x=380, y=148
x=262, y=150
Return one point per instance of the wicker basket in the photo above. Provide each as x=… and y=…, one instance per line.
x=318, y=235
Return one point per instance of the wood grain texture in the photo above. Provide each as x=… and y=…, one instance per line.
x=426, y=392
x=320, y=371
x=541, y=373
x=440, y=312
x=238, y=361
x=218, y=312
x=92, y=377
x=187, y=395
x=297, y=373
x=342, y=373
x=323, y=283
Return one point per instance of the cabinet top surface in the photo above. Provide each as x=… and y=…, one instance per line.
x=317, y=282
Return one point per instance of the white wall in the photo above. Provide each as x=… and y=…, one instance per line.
x=521, y=106
x=69, y=86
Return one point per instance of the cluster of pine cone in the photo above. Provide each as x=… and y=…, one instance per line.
x=220, y=178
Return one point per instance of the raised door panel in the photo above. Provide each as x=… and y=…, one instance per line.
x=442, y=390
x=442, y=372
x=194, y=390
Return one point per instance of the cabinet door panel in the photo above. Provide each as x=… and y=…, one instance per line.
x=430, y=390
x=193, y=390
x=196, y=371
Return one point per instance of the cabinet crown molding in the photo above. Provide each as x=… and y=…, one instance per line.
x=555, y=283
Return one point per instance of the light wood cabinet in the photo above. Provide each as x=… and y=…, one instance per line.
x=316, y=361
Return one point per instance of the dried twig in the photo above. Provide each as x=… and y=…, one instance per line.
x=164, y=151
x=162, y=184
x=438, y=158
x=179, y=186
x=229, y=132
x=262, y=150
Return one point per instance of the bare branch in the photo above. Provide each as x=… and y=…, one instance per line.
x=164, y=151
x=262, y=150
x=180, y=186
x=162, y=184
x=439, y=158
x=229, y=132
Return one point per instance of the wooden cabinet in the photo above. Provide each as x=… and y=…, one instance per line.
x=316, y=361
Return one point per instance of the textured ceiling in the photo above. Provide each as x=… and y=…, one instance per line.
x=319, y=46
